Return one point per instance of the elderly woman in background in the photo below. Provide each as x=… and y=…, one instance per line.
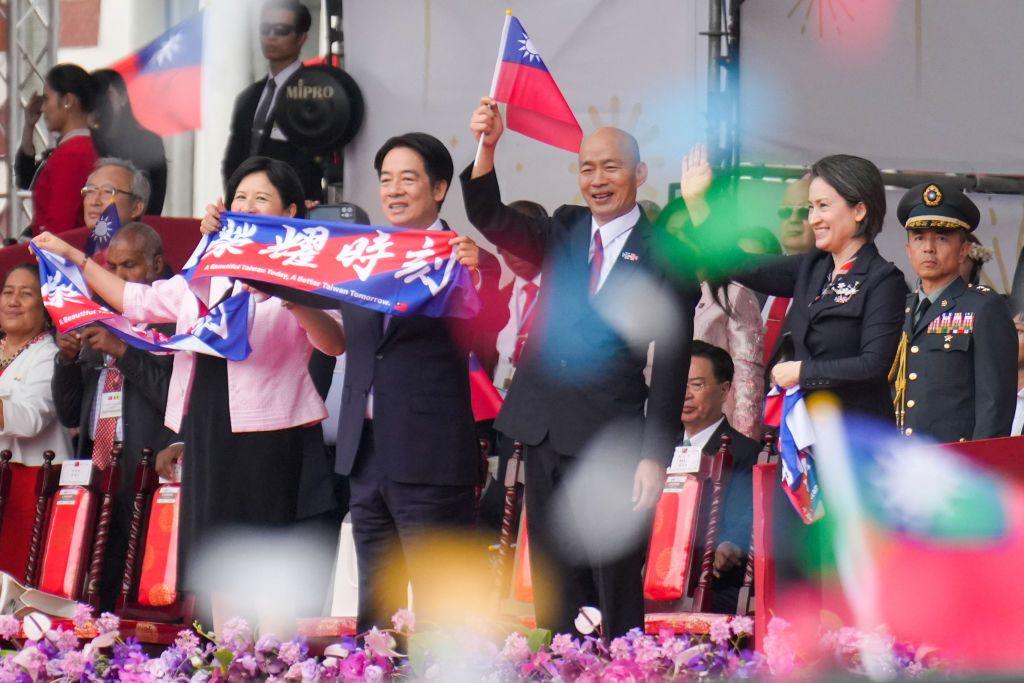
x=28, y=417
x=57, y=178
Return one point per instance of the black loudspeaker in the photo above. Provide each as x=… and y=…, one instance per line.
x=320, y=110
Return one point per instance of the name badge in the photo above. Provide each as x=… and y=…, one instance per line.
x=75, y=472
x=685, y=459
x=110, y=404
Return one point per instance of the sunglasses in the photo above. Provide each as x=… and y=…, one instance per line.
x=276, y=30
x=802, y=212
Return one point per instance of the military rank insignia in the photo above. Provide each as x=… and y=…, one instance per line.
x=952, y=323
x=932, y=195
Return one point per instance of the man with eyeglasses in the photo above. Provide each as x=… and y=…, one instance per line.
x=795, y=237
x=284, y=28
x=704, y=424
x=112, y=392
x=117, y=181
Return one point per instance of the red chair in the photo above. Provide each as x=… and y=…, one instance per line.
x=151, y=606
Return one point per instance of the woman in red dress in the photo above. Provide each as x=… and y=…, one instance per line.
x=56, y=179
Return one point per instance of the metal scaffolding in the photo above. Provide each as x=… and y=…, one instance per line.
x=33, y=28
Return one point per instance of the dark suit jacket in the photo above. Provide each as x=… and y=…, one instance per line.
x=240, y=138
x=847, y=347
x=578, y=373
x=738, y=510
x=127, y=139
x=963, y=386
x=144, y=400
x=422, y=416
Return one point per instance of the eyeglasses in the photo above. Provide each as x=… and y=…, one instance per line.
x=276, y=30
x=108, y=191
x=802, y=212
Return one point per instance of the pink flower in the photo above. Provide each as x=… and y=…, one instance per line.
x=622, y=671
x=72, y=665
x=404, y=621
x=373, y=674
x=290, y=652
x=9, y=626
x=64, y=640
x=235, y=632
x=620, y=649
x=562, y=645
x=108, y=623
x=186, y=641
x=517, y=648
x=779, y=650
x=720, y=631
x=83, y=613
x=31, y=660
x=379, y=642
x=742, y=626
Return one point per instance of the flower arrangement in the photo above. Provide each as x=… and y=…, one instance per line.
x=93, y=651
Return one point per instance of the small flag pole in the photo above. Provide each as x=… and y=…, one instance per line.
x=494, y=78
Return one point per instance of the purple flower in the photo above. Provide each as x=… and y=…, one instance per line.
x=720, y=631
x=64, y=640
x=352, y=667
x=620, y=649
x=404, y=621
x=373, y=673
x=235, y=633
x=9, y=626
x=31, y=660
x=742, y=626
x=292, y=652
x=267, y=644
x=380, y=642
x=72, y=665
x=186, y=641
x=108, y=623
x=563, y=645
x=82, y=615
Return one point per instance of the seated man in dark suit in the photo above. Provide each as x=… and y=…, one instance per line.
x=113, y=392
x=704, y=423
x=284, y=28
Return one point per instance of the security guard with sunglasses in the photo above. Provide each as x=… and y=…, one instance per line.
x=955, y=371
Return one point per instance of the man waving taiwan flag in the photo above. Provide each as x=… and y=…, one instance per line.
x=164, y=79
x=535, y=105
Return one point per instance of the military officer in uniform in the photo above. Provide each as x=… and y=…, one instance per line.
x=955, y=371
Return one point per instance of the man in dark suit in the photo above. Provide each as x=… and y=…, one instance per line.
x=956, y=374
x=579, y=381
x=704, y=424
x=405, y=436
x=111, y=392
x=284, y=27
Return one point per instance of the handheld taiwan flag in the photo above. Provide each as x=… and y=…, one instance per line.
x=164, y=79
x=485, y=399
x=535, y=105
x=928, y=541
x=103, y=232
x=796, y=441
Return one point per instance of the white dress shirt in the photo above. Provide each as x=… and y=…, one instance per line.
x=279, y=80
x=30, y=416
x=506, y=343
x=700, y=439
x=1018, y=415
x=614, y=234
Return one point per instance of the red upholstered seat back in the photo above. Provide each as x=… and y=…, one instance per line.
x=158, y=579
x=68, y=542
x=19, y=513
x=522, y=578
x=674, y=546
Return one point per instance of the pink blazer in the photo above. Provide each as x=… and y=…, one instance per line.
x=742, y=336
x=269, y=390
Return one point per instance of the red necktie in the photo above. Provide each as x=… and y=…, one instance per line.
x=773, y=326
x=596, y=263
x=106, y=427
x=529, y=298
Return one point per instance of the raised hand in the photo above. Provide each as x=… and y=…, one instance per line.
x=55, y=245
x=695, y=179
x=486, y=121
x=211, y=221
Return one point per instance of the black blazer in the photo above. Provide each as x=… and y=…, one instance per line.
x=738, y=510
x=146, y=378
x=128, y=139
x=422, y=415
x=578, y=372
x=846, y=342
x=240, y=137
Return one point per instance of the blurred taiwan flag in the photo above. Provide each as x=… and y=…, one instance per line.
x=928, y=542
x=164, y=78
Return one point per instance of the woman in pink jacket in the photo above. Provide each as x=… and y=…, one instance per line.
x=240, y=421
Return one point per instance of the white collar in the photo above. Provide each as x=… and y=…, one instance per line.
x=76, y=133
x=615, y=228
x=436, y=225
x=700, y=439
x=284, y=74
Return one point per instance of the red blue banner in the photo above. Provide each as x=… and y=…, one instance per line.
x=103, y=232
x=796, y=454
x=386, y=269
x=222, y=332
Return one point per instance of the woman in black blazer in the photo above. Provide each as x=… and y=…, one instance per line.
x=848, y=301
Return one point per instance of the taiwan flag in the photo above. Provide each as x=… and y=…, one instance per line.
x=535, y=105
x=928, y=543
x=164, y=77
x=103, y=232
